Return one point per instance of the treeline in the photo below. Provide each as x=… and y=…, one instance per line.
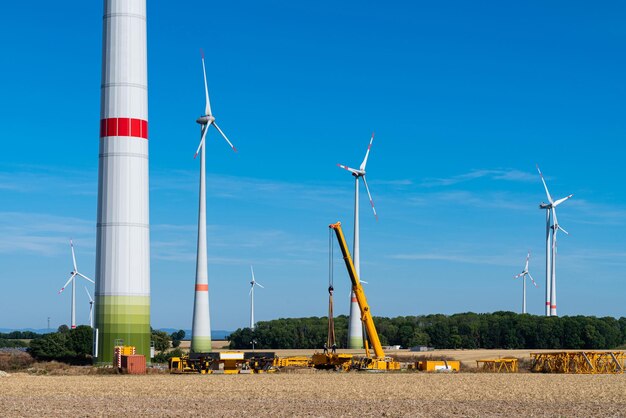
x=506, y=330
x=72, y=346
x=19, y=335
x=13, y=339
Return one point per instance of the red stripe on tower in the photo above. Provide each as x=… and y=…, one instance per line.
x=137, y=128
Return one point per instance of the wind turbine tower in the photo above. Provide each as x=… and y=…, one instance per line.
x=523, y=275
x=355, y=328
x=551, y=246
x=123, y=227
x=252, y=284
x=72, y=279
x=90, y=307
x=201, y=326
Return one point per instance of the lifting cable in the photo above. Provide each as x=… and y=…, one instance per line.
x=330, y=342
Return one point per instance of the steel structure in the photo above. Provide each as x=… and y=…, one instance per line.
x=579, y=362
x=498, y=365
x=122, y=296
x=379, y=361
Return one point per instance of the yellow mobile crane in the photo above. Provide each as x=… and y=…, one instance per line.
x=379, y=361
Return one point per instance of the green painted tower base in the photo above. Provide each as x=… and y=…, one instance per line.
x=355, y=343
x=125, y=318
x=201, y=344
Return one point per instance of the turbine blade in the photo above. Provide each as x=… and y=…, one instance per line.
x=85, y=277
x=545, y=185
x=518, y=275
x=73, y=255
x=90, y=299
x=558, y=202
x=527, y=258
x=367, y=154
x=68, y=282
x=561, y=228
x=370, y=196
x=260, y=285
x=363, y=281
x=204, y=131
x=224, y=135
x=345, y=167
x=252, y=270
x=533, y=280
x=207, y=108
x=250, y=292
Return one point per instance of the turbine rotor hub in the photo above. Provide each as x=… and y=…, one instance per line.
x=205, y=120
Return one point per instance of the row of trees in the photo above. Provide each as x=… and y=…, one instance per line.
x=466, y=330
x=75, y=345
x=72, y=346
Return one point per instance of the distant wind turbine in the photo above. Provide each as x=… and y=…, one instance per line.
x=90, y=308
x=201, y=326
x=355, y=330
x=551, y=247
x=72, y=279
x=523, y=275
x=251, y=293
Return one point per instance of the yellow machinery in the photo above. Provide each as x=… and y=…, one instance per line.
x=294, y=361
x=225, y=362
x=436, y=365
x=332, y=361
x=581, y=362
x=498, y=365
x=378, y=361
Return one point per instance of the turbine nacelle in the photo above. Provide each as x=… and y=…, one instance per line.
x=205, y=120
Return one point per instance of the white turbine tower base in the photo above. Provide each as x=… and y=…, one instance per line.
x=551, y=246
x=523, y=275
x=72, y=279
x=201, y=326
x=355, y=327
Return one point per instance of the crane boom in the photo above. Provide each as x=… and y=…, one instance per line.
x=366, y=315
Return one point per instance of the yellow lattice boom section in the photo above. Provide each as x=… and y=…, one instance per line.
x=579, y=362
x=498, y=365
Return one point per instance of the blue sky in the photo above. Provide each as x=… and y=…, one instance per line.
x=465, y=99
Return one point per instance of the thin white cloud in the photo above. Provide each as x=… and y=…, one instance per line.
x=496, y=260
x=497, y=174
x=42, y=233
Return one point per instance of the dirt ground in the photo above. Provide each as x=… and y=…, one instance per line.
x=316, y=394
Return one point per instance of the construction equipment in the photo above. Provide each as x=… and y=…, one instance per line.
x=329, y=359
x=436, y=365
x=579, y=362
x=498, y=365
x=378, y=361
x=230, y=362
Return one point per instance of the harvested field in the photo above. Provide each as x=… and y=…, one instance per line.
x=316, y=394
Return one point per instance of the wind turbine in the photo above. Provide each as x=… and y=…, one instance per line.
x=251, y=293
x=551, y=246
x=355, y=331
x=201, y=326
x=90, y=308
x=72, y=279
x=523, y=275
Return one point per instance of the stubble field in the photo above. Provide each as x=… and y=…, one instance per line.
x=316, y=394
